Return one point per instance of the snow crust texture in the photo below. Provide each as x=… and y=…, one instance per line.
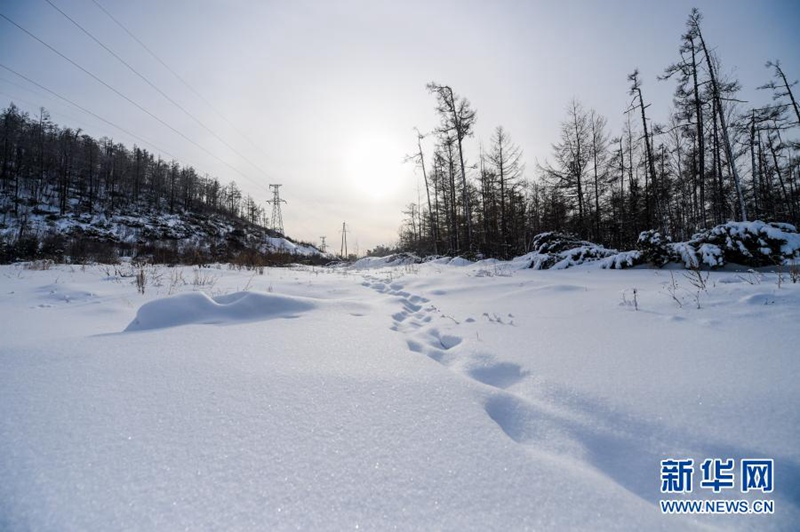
x=434, y=396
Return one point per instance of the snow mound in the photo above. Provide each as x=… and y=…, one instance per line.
x=199, y=308
x=397, y=259
x=460, y=261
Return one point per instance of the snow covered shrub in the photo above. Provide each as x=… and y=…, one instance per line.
x=685, y=254
x=654, y=248
x=753, y=244
x=697, y=255
x=560, y=251
x=546, y=247
x=580, y=255
x=553, y=242
x=622, y=260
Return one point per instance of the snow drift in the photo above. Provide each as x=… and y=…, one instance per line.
x=185, y=309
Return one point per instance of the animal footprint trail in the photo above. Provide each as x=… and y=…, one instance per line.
x=430, y=351
x=498, y=374
x=538, y=424
x=413, y=314
x=414, y=319
x=446, y=341
x=521, y=419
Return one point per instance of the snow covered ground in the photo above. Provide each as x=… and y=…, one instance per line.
x=446, y=396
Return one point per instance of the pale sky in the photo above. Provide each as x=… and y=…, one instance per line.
x=324, y=95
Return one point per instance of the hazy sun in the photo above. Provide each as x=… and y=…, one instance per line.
x=373, y=165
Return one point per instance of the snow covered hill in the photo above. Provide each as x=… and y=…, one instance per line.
x=439, y=396
x=186, y=236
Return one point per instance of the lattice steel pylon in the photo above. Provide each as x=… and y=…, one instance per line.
x=277, y=216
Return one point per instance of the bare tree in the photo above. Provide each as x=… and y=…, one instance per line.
x=419, y=159
x=650, y=184
x=572, y=155
x=781, y=88
x=458, y=119
x=506, y=159
x=689, y=106
x=599, y=147
x=716, y=93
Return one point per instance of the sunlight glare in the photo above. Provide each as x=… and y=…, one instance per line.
x=373, y=165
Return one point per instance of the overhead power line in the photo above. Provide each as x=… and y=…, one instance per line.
x=174, y=73
x=67, y=115
x=112, y=124
x=120, y=94
x=154, y=87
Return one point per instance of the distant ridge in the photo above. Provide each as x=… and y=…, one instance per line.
x=66, y=196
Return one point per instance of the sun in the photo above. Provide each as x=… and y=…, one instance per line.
x=373, y=165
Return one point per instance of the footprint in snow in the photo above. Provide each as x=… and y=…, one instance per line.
x=498, y=374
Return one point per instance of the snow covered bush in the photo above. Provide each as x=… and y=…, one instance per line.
x=554, y=242
x=753, y=244
x=654, y=248
x=560, y=251
x=622, y=260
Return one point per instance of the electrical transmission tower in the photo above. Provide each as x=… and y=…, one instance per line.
x=323, y=246
x=343, y=251
x=277, y=216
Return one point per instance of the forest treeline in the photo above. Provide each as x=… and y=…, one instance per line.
x=66, y=196
x=42, y=163
x=714, y=161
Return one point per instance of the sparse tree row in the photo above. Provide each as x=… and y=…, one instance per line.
x=715, y=160
x=42, y=163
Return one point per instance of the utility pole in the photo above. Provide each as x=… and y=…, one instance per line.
x=323, y=246
x=277, y=216
x=343, y=251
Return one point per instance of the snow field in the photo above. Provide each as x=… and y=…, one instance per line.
x=434, y=396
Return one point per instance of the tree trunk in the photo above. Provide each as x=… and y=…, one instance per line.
x=428, y=194
x=724, y=128
x=701, y=147
x=651, y=167
x=788, y=88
